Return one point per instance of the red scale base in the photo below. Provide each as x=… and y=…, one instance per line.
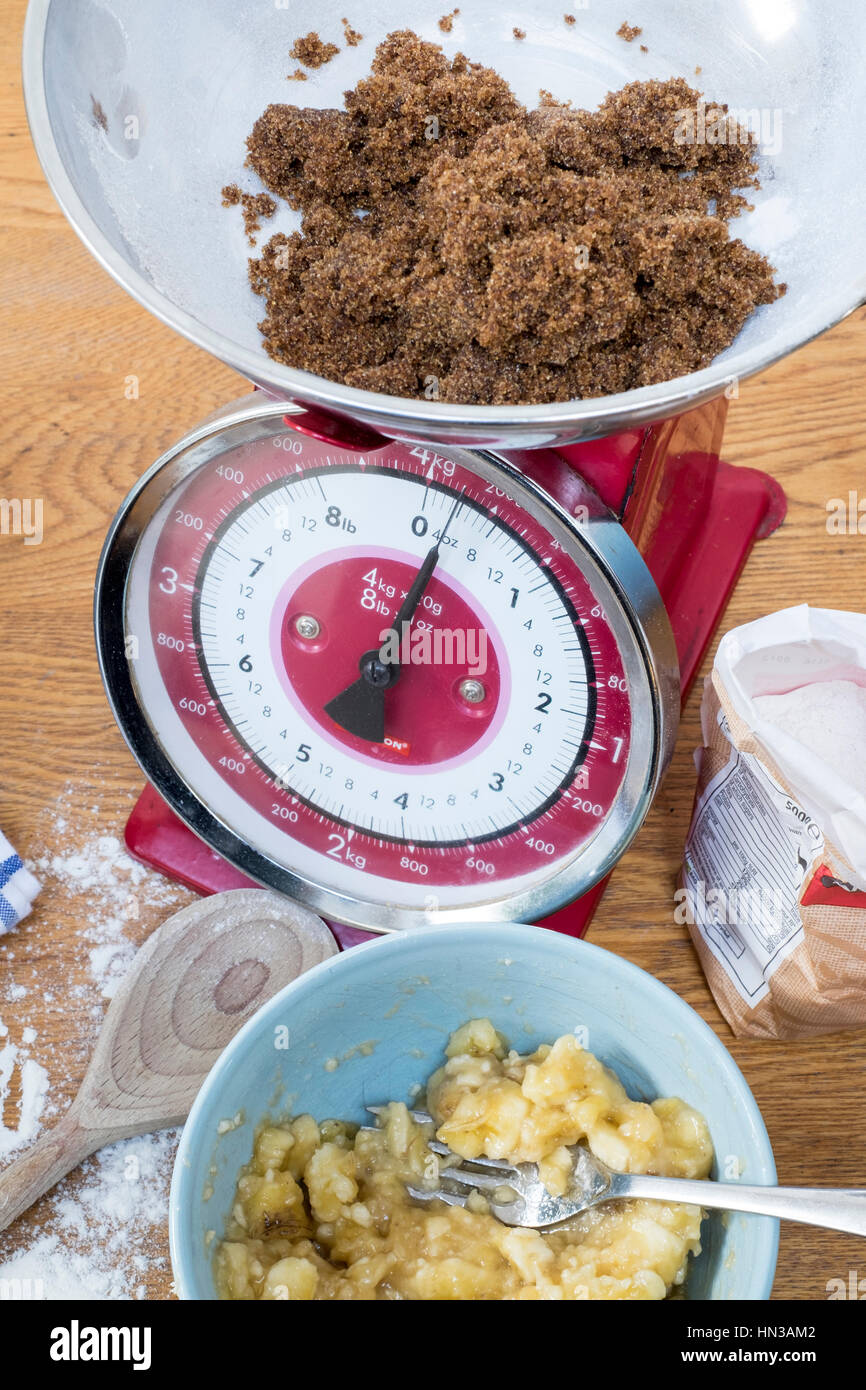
x=693, y=517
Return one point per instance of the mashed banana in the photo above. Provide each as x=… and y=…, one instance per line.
x=322, y=1210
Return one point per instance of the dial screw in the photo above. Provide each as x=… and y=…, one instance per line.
x=307, y=627
x=472, y=691
x=377, y=672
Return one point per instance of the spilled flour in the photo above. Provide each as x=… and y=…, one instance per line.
x=97, y=1241
x=33, y=1087
x=114, y=884
x=102, y=1234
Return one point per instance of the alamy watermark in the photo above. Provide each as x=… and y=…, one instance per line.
x=22, y=1290
x=708, y=124
x=852, y=1288
x=77, y=1343
x=846, y=516
x=427, y=646
x=22, y=516
x=730, y=907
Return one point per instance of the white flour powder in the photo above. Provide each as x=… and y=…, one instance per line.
x=112, y=888
x=33, y=1085
x=102, y=1233
x=828, y=718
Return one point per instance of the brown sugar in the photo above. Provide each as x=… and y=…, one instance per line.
x=629, y=32
x=546, y=98
x=508, y=256
x=312, y=52
x=352, y=37
x=446, y=23
x=255, y=206
x=519, y=33
x=570, y=18
x=297, y=76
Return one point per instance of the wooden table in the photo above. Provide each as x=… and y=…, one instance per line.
x=70, y=435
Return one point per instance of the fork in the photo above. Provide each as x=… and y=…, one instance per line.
x=516, y=1195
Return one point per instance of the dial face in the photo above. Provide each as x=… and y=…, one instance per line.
x=382, y=672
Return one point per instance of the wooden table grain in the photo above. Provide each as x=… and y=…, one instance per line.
x=73, y=434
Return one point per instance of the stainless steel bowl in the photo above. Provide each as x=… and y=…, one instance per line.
x=139, y=110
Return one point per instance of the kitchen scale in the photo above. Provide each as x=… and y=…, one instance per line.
x=405, y=661
x=245, y=593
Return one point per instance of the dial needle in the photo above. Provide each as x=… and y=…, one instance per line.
x=360, y=708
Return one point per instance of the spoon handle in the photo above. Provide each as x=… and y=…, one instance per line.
x=53, y=1156
x=838, y=1208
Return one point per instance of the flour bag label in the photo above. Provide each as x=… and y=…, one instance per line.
x=773, y=886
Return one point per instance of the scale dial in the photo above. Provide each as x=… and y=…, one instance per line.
x=497, y=759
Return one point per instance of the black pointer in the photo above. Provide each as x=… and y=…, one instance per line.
x=360, y=708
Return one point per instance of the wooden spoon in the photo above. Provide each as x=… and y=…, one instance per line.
x=192, y=985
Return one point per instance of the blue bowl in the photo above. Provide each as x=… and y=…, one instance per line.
x=403, y=995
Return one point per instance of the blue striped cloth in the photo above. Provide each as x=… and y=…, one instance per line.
x=18, y=887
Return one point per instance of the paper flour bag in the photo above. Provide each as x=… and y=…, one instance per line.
x=773, y=887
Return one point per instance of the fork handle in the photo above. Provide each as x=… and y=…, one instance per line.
x=838, y=1208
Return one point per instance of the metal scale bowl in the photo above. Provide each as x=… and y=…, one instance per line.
x=139, y=114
